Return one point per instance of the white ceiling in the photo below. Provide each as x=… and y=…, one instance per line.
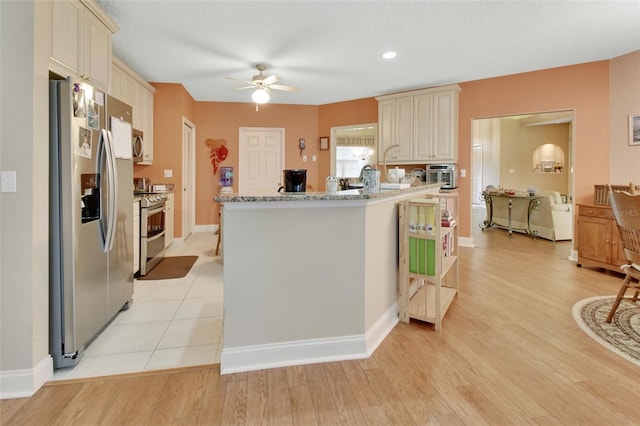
x=331, y=49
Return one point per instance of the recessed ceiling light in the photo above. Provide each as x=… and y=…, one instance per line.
x=389, y=55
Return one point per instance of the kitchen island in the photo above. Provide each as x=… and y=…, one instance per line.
x=309, y=277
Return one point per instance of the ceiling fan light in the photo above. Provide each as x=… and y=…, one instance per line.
x=260, y=96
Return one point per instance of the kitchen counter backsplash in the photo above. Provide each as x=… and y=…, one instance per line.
x=351, y=194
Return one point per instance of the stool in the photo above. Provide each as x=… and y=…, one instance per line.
x=219, y=233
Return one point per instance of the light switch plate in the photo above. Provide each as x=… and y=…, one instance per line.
x=8, y=181
x=168, y=173
x=304, y=157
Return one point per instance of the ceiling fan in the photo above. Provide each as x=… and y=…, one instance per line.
x=264, y=85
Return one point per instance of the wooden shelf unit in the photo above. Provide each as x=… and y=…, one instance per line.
x=428, y=277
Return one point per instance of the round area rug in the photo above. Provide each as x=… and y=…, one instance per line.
x=622, y=335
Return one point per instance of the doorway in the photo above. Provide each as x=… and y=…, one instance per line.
x=188, y=177
x=508, y=151
x=476, y=169
x=260, y=160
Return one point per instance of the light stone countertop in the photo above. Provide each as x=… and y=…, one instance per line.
x=351, y=194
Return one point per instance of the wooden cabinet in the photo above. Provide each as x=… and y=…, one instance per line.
x=81, y=42
x=423, y=123
x=136, y=237
x=598, y=239
x=428, y=270
x=131, y=88
x=169, y=220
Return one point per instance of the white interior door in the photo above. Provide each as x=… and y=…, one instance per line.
x=188, y=177
x=476, y=169
x=261, y=158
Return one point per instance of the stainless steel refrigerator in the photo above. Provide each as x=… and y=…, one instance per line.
x=91, y=218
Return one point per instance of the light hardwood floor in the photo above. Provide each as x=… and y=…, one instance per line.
x=509, y=353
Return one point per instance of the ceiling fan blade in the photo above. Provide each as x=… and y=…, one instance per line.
x=243, y=81
x=246, y=87
x=285, y=88
x=270, y=80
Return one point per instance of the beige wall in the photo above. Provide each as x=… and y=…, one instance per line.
x=518, y=144
x=624, y=86
x=24, y=219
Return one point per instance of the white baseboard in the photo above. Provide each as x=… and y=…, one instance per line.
x=273, y=355
x=24, y=383
x=466, y=242
x=300, y=352
x=573, y=256
x=205, y=228
x=381, y=328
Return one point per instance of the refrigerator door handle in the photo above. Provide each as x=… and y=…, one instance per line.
x=112, y=178
x=102, y=159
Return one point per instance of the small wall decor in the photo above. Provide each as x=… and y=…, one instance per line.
x=634, y=129
x=324, y=143
x=218, y=152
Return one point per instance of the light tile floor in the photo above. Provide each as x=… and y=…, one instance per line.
x=171, y=323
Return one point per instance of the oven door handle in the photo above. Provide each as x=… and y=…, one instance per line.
x=155, y=237
x=153, y=210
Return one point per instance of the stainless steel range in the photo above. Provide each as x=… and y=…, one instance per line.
x=152, y=230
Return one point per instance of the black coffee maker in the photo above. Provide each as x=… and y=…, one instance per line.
x=295, y=180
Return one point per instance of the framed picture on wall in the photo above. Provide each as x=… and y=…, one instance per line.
x=634, y=129
x=324, y=143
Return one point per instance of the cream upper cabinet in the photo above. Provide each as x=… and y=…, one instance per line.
x=131, y=88
x=445, y=125
x=403, y=129
x=423, y=123
x=81, y=41
x=143, y=119
x=122, y=84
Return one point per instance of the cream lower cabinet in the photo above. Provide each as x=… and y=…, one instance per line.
x=169, y=220
x=81, y=42
x=423, y=123
x=136, y=236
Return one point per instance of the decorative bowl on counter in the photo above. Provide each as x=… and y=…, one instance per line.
x=395, y=175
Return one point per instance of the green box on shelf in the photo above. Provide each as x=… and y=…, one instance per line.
x=422, y=256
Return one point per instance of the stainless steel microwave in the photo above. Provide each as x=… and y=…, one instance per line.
x=445, y=174
x=137, y=145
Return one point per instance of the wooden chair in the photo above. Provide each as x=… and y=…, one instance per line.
x=626, y=209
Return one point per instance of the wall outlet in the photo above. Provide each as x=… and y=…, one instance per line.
x=463, y=172
x=314, y=158
x=304, y=157
x=8, y=181
x=168, y=173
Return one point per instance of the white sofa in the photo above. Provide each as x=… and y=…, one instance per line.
x=552, y=219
